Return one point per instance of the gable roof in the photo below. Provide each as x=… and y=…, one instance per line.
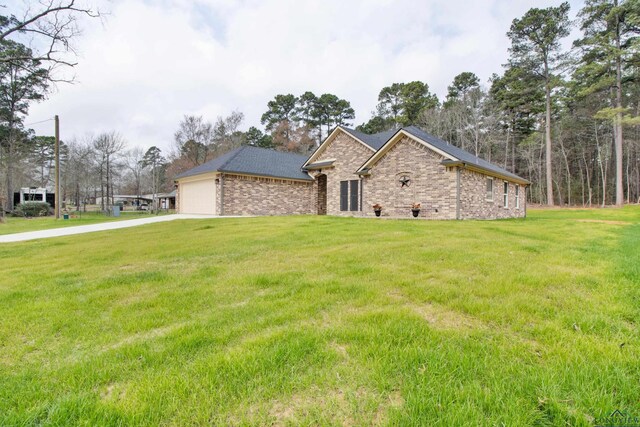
x=248, y=160
x=375, y=141
x=332, y=135
x=456, y=156
x=460, y=154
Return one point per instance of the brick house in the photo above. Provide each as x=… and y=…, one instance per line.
x=349, y=173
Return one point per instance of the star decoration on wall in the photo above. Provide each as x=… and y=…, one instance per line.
x=405, y=181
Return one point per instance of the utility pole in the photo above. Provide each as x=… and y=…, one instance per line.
x=57, y=178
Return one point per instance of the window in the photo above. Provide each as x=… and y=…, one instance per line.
x=506, y=195
x=349, y=195
x=489, y=188
x=517, y=197
x=354, y=194
x=344, y=195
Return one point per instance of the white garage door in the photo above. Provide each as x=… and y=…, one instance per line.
x=198, y=197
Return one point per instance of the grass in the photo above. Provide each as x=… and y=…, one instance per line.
x=19, y=225
x=330, y=321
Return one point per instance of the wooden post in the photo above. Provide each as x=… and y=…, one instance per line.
x=57, y=174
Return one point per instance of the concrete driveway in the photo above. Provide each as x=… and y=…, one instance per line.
x=81, y=229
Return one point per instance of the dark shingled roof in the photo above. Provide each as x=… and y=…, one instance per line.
x=249, y=160
x=459, y=153
x=378, y=140
x=375, y=140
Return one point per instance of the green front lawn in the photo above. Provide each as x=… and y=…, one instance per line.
x=321, y=320
x=20, y=225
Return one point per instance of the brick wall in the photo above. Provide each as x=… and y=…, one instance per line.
x=474, y=203
x=245, y=195
x=431, y=184
x=349, y=155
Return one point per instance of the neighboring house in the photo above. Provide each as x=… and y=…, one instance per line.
x=34, y=194
x=349, y=173
x=127, y=199
x=166, y=200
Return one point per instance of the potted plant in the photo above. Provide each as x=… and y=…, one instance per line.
x=415, y=209
x=377, y=209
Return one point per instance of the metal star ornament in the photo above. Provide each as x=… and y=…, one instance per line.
x=405, y=181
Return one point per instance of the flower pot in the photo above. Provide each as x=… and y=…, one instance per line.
x=378, y=212
x=415, y=212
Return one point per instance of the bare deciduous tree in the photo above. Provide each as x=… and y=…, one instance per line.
x=49, y=27
x=78, y=174
x=193, y=140
x=108, y=147
x=134, y=162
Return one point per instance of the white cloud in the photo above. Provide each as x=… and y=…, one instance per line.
x=154, y=61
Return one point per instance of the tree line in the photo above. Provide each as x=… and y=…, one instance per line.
x=292, y=123
x=36, y=49
x=36, y=53
x=93, y=167
x=566, y=119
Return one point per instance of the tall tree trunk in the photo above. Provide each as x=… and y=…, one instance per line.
x=559, y=192
x=108, y=171
x=581, y=181
x=506, y=149
x=603, y=163
x=9, y=177
x=586, y=171
x=627, y=172
x=513, y=155
x=638, y=181
x=10, y=161
x=153, y=173
x=549, y=183
x=102, y=206
x=547, y=129
x=618, y=120
x=568, y=169
x=476, y=136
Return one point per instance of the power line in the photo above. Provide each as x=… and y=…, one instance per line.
x=41, y=121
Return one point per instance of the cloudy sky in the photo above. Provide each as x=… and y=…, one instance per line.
x=151, y=62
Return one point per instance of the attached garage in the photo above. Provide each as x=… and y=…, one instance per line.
x=198, y=196
x=247, y=181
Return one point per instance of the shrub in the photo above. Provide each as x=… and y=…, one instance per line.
x=32, y=209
